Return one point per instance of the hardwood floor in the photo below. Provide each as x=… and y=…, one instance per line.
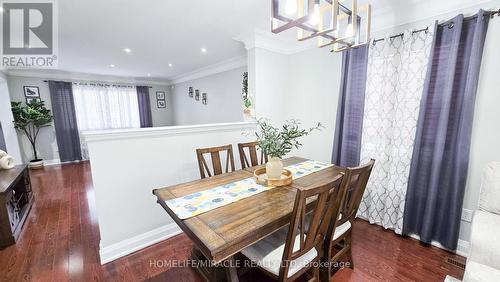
x=60, y=242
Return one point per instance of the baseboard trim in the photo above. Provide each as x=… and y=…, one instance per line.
x=463, y=248
x=128, y=246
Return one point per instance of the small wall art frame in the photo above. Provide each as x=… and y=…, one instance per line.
x=31, y=92
x=190, y=92
x=197, y=95
x=161, y=104
x=160, y=95
x=204, y=99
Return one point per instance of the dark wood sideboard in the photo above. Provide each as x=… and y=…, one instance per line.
x=16, y=199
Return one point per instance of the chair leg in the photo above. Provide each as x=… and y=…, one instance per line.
x=315, y=274
x=349, y=258
x=348, y=242
x=325, y=272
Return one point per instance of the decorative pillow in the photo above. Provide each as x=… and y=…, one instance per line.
x=489, y=199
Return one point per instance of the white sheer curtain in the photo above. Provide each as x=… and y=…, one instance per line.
x=396, y=74
x=102, y=106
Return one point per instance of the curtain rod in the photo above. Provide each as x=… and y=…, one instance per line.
x=426, y=30
x=101, y=83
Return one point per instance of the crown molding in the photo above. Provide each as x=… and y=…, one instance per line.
x=421, y=13
x=273, y=42
x=226, y=65
x=66, y=75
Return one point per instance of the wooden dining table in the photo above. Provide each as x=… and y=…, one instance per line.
x=221, y=233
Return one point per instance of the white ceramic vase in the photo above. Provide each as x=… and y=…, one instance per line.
x=274, y=167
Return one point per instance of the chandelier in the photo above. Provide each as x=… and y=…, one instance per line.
x=341, y=24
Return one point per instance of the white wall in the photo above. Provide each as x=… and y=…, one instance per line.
x=485, y=132
x=224, y=97
x=161, y=116
x=302, y=86
x=129, y=217
x=6, y=119
x=47, y=143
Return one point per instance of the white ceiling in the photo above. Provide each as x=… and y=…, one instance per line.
x=93, y=33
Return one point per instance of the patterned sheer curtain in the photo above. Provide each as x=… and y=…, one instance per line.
x=103, y=106
x=396, y=73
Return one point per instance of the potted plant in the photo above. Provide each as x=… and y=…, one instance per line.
x=277, y=142
x=30, y=118
x=247, y=101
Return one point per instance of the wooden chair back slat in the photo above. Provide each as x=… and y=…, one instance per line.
x=325, y=199
x=216, y=160
x=252, y=158
x=355, y=180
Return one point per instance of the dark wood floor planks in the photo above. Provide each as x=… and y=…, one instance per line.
x=60, y=242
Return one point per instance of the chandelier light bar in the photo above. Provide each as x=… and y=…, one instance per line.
x=338, y=23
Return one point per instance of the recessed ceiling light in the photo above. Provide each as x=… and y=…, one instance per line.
x=112, y=65
x=203, y=50
x=170, y=65
x=149, y=74
x=127, y=50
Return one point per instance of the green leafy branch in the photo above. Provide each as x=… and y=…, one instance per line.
x=277, y=142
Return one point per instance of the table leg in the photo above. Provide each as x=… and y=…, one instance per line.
x=231, y=273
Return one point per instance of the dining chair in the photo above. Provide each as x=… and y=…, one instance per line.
x=216, y=160
x=338, y=240
x=290, y=252
x=252, y=159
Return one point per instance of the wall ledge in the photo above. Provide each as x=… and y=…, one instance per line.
x=116, y=134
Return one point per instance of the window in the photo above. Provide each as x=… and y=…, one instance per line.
x=102, y=106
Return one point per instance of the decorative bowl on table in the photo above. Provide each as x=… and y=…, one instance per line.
x=262, y=179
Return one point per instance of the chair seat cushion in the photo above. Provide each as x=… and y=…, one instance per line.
x=476, y=272
x=341, y=229
x=268, y=253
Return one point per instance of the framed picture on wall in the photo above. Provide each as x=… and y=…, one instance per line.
x=197, y=95
x=29, y=100
x=161, y=104
x=204, y=98
x=160, y=95
x=31, y=91
x=190, y=91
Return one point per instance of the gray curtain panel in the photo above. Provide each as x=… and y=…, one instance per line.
x=144, y=106
x=63, y=109
x=441, y=153
x=349, y=123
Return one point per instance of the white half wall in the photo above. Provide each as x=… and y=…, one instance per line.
x=128, y=164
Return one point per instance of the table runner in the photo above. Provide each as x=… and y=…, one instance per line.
x=206, y=200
